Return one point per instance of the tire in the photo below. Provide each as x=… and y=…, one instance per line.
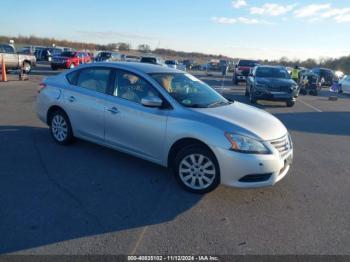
x=252, y=98
x=314, y=92
x=303, y=92
x=27, y=67
x=234, y=80
x=196, y=169
x=290, y=103
x=60, y=127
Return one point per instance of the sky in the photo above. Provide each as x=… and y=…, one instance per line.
x=259, y=29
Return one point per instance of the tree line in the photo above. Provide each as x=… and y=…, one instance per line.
x=337, y=64
x=341, y=64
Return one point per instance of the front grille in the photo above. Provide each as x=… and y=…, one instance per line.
x=245, y=72
x=283, y=145
x=274, y=88
x=285, y=89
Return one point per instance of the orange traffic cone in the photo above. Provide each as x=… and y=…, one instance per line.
x=3, y=71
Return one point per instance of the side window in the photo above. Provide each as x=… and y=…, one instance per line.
x=132, y=87
x=8, y=49
x=73, y=77
x=95, y=79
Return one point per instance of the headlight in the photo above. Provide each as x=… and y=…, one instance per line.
x=290, y=141
x=245, y=144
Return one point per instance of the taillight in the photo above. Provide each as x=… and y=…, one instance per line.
x=41, y=87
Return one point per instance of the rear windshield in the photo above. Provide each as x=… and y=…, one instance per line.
x=249, y=63
x=150, y=60
x=68, y=54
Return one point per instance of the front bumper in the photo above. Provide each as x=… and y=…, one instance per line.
x=275, y=96
x=250, y=170
x=59, y=64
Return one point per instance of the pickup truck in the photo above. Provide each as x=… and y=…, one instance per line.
x=14, y=60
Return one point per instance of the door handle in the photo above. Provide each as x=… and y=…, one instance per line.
x=71, y=99
x=113, y=110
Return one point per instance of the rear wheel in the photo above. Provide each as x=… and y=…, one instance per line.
x=27, y=67
x=196, y=169
x=60, y=128
x=314, y=92
x=303, y=92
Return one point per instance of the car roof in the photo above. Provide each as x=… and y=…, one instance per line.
x=140, y=67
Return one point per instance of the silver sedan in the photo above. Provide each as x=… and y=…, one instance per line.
x=168, y=117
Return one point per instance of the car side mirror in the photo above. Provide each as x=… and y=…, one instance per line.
x=152, y=101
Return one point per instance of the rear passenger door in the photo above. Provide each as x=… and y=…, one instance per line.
x=85, y=100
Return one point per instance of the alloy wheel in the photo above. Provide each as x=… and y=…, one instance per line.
x=197, y=171
x=59, y=128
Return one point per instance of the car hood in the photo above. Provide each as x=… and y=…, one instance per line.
x=247, y=120
x=274, y=82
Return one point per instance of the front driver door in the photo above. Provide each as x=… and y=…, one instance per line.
x=130, y=126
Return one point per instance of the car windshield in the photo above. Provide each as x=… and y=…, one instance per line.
x=105, y=55
x=150, y=60
x=248, y=63
x=189, y=91
x=272, y=72
x=68, y=54
x=170, y=62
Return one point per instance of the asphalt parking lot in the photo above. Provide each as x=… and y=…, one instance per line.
x=86, y=199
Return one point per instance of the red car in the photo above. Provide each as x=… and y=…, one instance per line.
x=70, y=59
x=242, y=70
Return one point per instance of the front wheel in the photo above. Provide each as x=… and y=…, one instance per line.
x=196, y=169
x=246, y=92
x=290, y=103
x=235, y=80
x=252, y=98
x=60, y=128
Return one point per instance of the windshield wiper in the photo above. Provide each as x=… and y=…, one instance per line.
x=218, y=103
x=196, y=106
